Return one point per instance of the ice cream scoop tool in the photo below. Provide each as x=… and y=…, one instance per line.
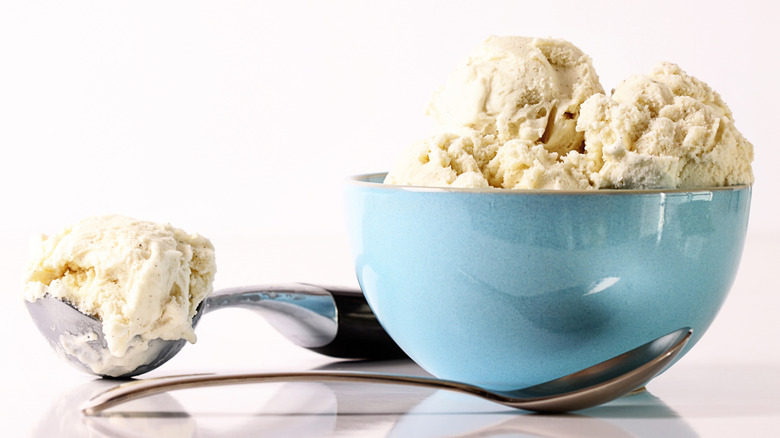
x=332, y=321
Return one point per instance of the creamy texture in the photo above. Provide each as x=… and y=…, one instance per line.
x=526, y=113
x=506, y=118
x=519, y=88
x=468, y=159
x=663, y=130
x=447, y=159
x=141, y=279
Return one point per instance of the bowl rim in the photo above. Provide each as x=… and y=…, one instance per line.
x=363, y=180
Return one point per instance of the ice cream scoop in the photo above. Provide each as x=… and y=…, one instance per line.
x=332, y=321
x=142, y=280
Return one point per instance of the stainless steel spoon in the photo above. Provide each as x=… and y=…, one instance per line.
x=590, y=387
x=332, y=321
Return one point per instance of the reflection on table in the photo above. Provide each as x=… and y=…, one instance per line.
x=346, y=409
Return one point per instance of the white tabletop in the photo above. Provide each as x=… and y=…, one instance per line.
x=728, y=385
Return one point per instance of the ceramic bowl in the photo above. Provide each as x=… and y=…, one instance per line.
x=511, y=288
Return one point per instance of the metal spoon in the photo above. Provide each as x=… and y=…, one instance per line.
x=332, y=321
x=590, y=387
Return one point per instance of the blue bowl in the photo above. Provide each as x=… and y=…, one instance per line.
x=511, y=288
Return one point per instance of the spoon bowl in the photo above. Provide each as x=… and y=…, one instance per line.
x=589, y=387
x=332, y=321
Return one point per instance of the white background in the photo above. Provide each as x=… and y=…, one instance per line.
x=239, y=119
x=242, y=117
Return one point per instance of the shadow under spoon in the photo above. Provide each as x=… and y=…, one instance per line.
x=332, y=321
x=589, y=387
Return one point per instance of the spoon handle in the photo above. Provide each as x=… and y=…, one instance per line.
x=334, y=321
x=586, y=388
x=134, y=390
x=359, y=333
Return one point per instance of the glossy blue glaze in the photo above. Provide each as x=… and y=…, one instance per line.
x=504, y=289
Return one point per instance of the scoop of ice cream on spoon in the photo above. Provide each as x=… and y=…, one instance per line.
x=334, y=322
x=118, y=297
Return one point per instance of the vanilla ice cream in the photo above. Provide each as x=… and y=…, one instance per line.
x=519, y=88
x=666, y=129
x=529, y=113
x=143, y=280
